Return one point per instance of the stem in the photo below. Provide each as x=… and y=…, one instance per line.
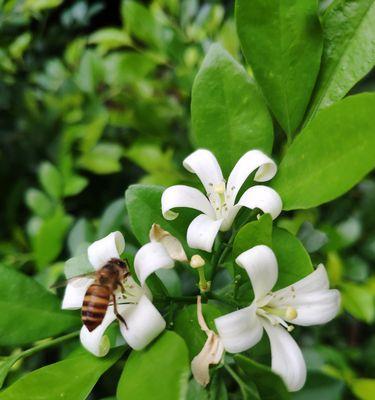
x=46, y=343
x=239, y=381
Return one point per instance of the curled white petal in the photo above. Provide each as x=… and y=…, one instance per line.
x=144, y=324
x=313, y=308
x=248, y=163
x=101, y=251
x=261, y=265
x=95, y=341
x=203, y=163
x=211, y=353
x=149, y=258
x=264, y=198
x=287, y=358
x=171, y=243
x=184, y=196
x=239, y=330
x=75, y=292
x=316, y=281
x=202, y=232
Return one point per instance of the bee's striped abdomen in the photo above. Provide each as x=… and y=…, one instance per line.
x=95, y=305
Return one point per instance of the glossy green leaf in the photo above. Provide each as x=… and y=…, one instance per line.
x=90, y=72
x=74, y=184
x=270, y=385
x=282, y=42
x=252, y=234
x=292, y=258
x=143, y=203
x=160, y=372
x=229, y=115
x=23, y=299
x=330, y=155
x=320, y=386
x=186, y=325
x=72, y=378
x=349, y=50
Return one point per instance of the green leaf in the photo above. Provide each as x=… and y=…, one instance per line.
x=160, y=372
x=109, y=39
x=330, y=155
x=252, y=234
x=104, y=158
x=270, y=385
x=112, y=219
x=78, y=265
x=20, y=45
x=74, y=185
x=349, y=50
x=49, y=239
x=81, y=233
x=293, y=260
x=23, y=299
x=186, y=325
x=51, y=179
x=90, y=72
x=143, y=203
x=364, y=389
x=141, y=23
x=228, y=113
x=39, y=203
x=72, y=378
x=282, y=42
x=358, y=301
x=320, y=386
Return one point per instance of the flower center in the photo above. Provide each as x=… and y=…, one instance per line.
x=219, y=199
x=277, y=316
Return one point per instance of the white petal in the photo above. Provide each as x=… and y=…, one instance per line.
x=171, y=243
x=144, y=323
x=101, y=251
x=211, y=353
x=203, y=163
x=239, y=330
x=94, y=341
x=261, y=266
x=149, y=258
x=316, y=281
x=313, y=308
x=184, y=196
x=202, y=232
x=287, y=358
x=75, y=292
x=247, y=164
x=264, y=198
x=229, y=218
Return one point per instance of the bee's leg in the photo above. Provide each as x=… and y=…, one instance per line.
x=119, y=317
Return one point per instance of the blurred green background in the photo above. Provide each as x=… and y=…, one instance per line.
x=92, y=101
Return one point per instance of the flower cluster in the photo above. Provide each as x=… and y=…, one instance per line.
x=306, y=302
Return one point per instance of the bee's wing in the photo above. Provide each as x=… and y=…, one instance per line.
x=72, y=279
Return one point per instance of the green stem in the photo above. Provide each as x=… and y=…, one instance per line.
x=238, y=380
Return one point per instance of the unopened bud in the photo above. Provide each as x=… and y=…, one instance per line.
x=197, y=261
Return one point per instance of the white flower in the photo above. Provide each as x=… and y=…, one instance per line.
x=219, y=208
x=160, y=253
x=143, y=320
x=211, y=353
x=306, y=302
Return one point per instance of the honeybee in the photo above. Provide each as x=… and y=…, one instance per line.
x=102, y=291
